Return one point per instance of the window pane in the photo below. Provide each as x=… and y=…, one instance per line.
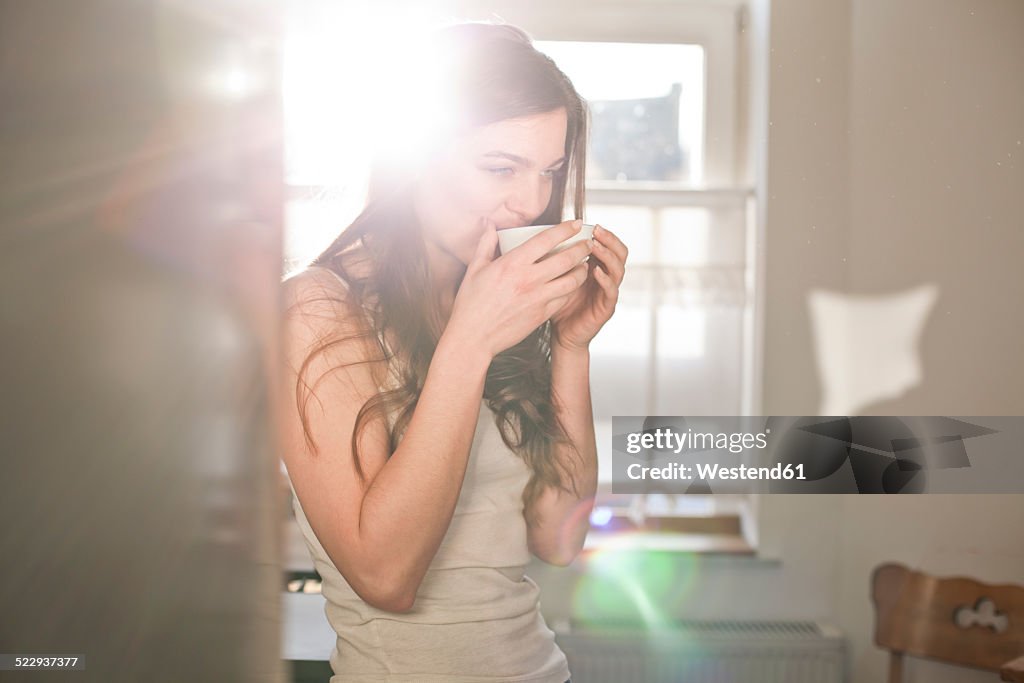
x=620, y=369
x=698, y=236
x=708, y=383
x=646, y=106
x=681, y=332
x=621, y=363
x=675, y=344
x=684, y=236
x=312, y=224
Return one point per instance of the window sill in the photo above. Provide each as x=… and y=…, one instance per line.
x=702, y=544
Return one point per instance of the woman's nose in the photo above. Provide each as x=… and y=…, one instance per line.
x=529, y=199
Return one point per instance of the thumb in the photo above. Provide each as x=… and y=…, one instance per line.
x=485, y=248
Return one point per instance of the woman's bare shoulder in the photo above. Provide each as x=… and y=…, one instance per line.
x=312, y=291
x=317, y=282
x=319, y=314
x=318, y=303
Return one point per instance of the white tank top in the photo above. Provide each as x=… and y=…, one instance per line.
x=477, y=615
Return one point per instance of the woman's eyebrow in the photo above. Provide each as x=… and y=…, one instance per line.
x=520, y=160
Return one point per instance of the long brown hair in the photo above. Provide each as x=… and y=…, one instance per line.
x=493, y=73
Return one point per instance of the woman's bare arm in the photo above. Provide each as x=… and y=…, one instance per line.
x=563, y=518
x=381, y=533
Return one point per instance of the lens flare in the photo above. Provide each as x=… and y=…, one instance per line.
x=622, y=584
x=601, y=515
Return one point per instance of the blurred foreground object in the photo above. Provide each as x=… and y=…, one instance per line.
x=140, y=214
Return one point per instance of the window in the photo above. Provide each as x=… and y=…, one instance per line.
x=664, y=173
x=664, y=93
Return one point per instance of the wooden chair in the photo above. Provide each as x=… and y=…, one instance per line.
x=954, y=620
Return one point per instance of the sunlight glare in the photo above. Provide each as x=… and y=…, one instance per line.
x=354, y=78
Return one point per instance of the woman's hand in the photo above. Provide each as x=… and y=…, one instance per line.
x=502, y=300
x=590, y=306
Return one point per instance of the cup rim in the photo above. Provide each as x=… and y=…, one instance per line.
x=546, y=225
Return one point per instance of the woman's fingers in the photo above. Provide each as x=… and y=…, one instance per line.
x=556, y=264
x=484, y=249
x=608, y=286
x=614, y=266
x=610, y=240
x=568, y=283
x=555, y=305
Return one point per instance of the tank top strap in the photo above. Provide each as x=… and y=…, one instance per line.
x=337, y=277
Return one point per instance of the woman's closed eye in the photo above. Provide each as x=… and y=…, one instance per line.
x=505, y=171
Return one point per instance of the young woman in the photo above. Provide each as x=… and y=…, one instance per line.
x=438, y=422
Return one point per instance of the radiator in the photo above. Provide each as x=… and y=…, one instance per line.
x=705, y=652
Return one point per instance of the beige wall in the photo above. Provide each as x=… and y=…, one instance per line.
x=805, y=189
x=861, y=113
x=896, y=140
x=935, y=188
x=894, y=132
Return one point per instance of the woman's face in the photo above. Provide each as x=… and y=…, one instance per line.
x=499, y=175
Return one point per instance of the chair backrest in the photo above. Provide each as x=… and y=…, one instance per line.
x=955, y=620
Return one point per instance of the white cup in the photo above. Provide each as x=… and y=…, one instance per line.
x=510, y=238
